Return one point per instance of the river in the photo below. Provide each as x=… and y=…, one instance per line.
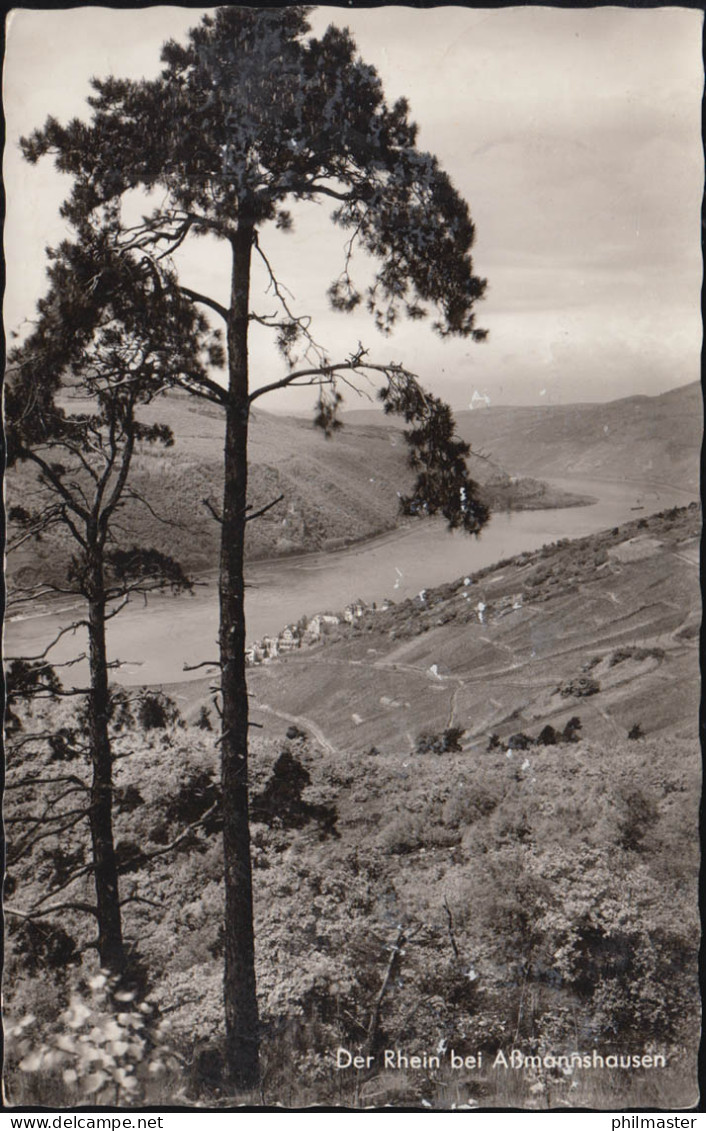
x=155, y=638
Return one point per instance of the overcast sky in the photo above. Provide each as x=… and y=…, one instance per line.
x=575, y=136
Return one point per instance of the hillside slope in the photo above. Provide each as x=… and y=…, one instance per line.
x=645, y=438
x=334, y=491
x=641, y=438
x=512, y=650
x=560, y=872
x=488, y=895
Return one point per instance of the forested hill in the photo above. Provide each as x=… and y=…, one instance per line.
x=333, y=491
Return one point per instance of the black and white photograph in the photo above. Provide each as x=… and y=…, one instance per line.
x=353, y=417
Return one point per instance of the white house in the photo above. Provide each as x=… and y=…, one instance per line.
x=288, y=639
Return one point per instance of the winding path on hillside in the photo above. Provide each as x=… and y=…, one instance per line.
x=301, y=721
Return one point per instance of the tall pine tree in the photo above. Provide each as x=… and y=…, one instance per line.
x=248, y=117
x=109, y=335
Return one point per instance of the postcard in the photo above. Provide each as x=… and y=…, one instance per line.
x=353, y=426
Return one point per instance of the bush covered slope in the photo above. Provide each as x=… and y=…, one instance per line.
x=498, y=854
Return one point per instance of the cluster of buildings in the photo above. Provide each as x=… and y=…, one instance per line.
x=308, y=632
x=303, y=634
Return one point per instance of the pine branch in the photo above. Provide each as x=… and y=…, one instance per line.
x=30, y=841
x=205, y=300
x=203, y=388
x=86, y=870
x=355, y=364
x=89, y=909
x=43, y=655
x=298, y=323
x=29, y=781
x=314, y=188
x=145, y=857
x=131, y=493
x=24, y=593
x=263, y=510
x=134, y=898
x=56, y=483
x=212, y=510
x=118, y=608
x=42, y=523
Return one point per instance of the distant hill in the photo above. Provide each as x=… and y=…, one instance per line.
x=335, y=491
x=642, y=438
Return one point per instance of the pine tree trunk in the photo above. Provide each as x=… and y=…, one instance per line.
x=110, y=936
x=240, y=996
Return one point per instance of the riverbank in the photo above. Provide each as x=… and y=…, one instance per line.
x=154, y=639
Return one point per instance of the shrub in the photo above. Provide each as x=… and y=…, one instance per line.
x=512, y=825
x=548, y=736
x=156, y=711
x=580, y=688
x=470, y=805
x=637, y=813
x=204, y=719
x=446, y=742
x=129, y=856
x=128, y=799
x=65, y=863
x=571, y=730
x=195, y=797
x=436, y=836
x=296, y=732
x=637, y=654
x=63, y=745
x=44, y=947
x=636, y=732
x=121, y=713
x=26, y=680
x=520, y=741
x=281, y=803
x=402, y=835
